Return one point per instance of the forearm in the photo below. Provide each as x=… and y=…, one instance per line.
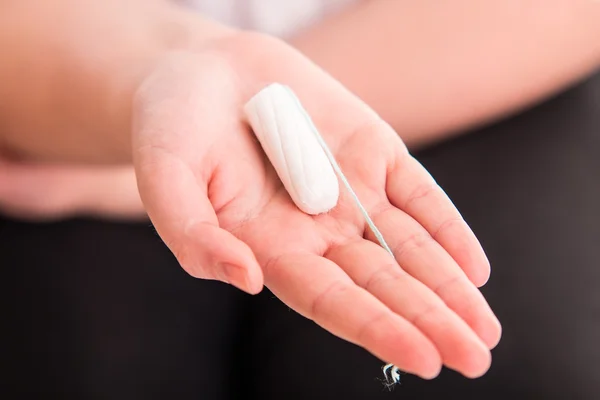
x=432, y=68
x=70, y=67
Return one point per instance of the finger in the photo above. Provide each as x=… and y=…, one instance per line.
x=318, y=289
x=373, y=269
x=412, y=189
x=184, y=218
x=423, y=258
x=175, y=121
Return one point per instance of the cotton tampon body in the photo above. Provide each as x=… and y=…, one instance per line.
x=302, y=160
x=289, y=142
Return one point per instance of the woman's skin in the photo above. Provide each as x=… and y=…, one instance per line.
x=85, y=72
x=37, y=192
x=434, y=68
x=409, y=61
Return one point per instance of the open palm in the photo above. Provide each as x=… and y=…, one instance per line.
x=220, y=207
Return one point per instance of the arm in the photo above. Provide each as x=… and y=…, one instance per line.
x=431, y=68
x=54, y=192
x=69, y=69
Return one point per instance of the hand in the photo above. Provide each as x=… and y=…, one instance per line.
x=217, y=203
x=45, y=192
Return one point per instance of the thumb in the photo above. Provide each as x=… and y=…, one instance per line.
x=173, y=180
x=186, y=221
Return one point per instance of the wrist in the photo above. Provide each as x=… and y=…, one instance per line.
x=173, y=29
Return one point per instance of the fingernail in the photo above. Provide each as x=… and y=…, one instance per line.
x=431, y=374
x=235, y=275
x=480, y=368
x=492, y=335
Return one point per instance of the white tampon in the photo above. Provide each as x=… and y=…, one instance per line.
x=287, y=137
x=303, y=161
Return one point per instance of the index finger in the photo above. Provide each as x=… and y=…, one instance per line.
x=413, y=190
